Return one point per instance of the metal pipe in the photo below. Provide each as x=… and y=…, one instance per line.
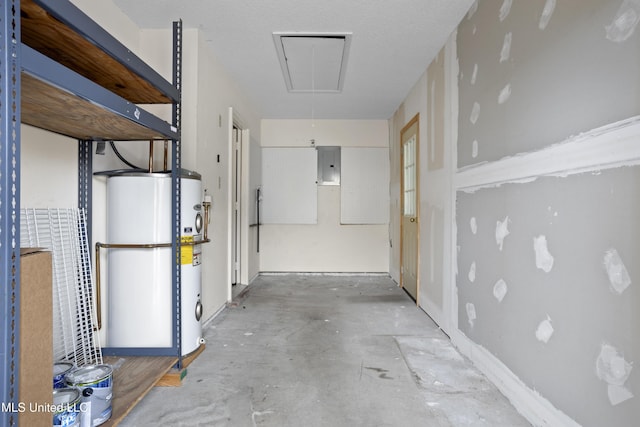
x=166, y=155
x=126, y=246
x=207, y=206
x=151, y=156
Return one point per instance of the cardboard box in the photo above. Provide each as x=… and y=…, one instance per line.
x=36, y=337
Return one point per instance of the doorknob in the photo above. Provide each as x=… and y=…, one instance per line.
x=412, y=220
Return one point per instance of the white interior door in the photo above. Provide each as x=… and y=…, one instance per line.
x=236, y=173
x=239, y=205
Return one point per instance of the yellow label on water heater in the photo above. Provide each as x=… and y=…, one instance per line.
x=186, y=251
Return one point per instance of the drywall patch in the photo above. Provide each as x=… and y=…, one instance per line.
x=500, y=290
x=625, y=21
x=432, y=246
x=545, y=330
x=472, y=272
x=547, y=12
x=618, y=394
x=502, y=231
x=613, y=369
x=505, y=94
x=617, y=272
x=472, y=10
x=544, y=259
x=474, y=75
x=506, y=48
x=505, y=9
x=473, y=224
x=471, y=313
x=475, y=113
x=474, y=148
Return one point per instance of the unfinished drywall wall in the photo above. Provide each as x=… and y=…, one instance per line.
x=545, y=276
x=533, y=73
x=328, y=245
x=547, y=282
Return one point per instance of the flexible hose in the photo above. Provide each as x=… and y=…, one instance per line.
x=117, y=153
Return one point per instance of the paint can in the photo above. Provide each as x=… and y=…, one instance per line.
x=60, y=369
x=66, y=402
x=99, y=378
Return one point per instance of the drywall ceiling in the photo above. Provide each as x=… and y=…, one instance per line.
x=392, y=44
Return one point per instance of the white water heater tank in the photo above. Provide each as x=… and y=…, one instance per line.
x=139, y=290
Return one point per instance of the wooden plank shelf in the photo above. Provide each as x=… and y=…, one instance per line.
x=83, y=54
x=133, y=378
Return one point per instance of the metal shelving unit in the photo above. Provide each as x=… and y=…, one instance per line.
x=89, y=97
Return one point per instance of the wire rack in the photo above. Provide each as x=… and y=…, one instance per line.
x=64, y=233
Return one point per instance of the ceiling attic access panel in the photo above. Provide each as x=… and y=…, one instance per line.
x=313, y=62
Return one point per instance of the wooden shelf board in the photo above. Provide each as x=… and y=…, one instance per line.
x=44, y=33
x=48, y=107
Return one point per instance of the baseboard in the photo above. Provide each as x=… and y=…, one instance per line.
x=323, y=273
x=213, y=316
x=534, y=407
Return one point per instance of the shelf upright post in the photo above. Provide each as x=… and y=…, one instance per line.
x=85, y=181
x=9, y=211
x=176, y=162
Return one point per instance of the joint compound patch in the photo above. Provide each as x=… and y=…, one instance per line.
x=618, y=394
x=500, y=290
x=506, y=48
x=502, y=231
x=625, y=21
x=472, y=272
x=505, y=94
x=544, y=260
x=474, y=75
x=472, y=10
x=474, y=149
x=475, y=113
x=505, y=9
x=613, y=369
x=547, y=12
x=471, y=313
x=545, y=330
x=473, y=224
x=617, y=272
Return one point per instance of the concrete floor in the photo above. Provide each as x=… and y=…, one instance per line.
x=318, y=350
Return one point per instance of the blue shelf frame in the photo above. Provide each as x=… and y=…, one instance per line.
x=9, y=210
x=14, y=59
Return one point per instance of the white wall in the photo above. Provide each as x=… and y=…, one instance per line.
x=48, y=170
x=326, y=246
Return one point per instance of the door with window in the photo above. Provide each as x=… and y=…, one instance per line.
x=409, y=138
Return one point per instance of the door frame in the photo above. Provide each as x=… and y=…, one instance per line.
x=414, y=121
x=237, y=236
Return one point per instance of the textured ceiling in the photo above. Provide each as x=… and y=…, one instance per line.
x=393, y=43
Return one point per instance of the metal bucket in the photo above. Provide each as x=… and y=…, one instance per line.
x=60, y=369
x=66, y=402
x=97, y=403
